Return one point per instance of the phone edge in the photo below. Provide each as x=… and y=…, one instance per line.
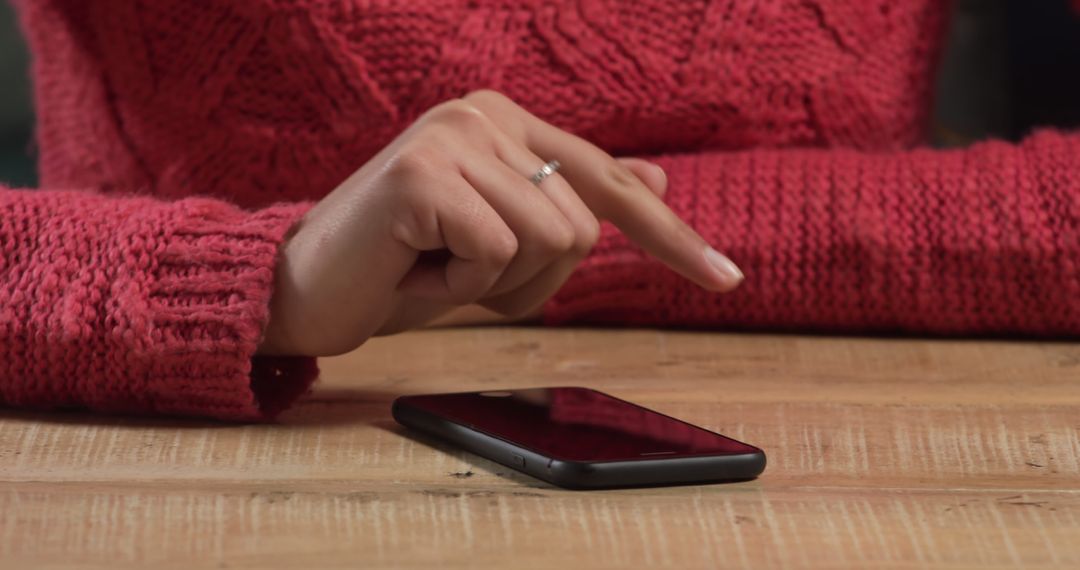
x=472, y=440
x=578, y=474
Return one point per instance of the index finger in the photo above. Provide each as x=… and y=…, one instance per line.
x=614, y=193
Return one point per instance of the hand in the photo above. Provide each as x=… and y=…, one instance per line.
x=446, y=216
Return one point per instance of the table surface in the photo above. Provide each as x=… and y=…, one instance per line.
x=882, y=453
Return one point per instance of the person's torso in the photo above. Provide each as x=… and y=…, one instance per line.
x=261, y=101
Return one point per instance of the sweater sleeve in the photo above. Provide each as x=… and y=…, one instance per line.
x=983, y=240
x=135, y=305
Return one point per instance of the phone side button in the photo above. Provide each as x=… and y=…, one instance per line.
x=518, y=460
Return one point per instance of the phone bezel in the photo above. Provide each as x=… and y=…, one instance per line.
x=646, y=471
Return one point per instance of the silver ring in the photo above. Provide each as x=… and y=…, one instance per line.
x=545, y=171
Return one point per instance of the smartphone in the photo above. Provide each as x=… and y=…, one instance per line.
x=580, y=438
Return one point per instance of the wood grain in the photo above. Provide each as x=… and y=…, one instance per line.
x=882, y=453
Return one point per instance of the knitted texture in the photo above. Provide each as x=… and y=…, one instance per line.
x=123, y=293
x=983, y=240
x=137, y=305
x=257, y=101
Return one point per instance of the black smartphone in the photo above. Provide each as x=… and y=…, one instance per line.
x=580, y=438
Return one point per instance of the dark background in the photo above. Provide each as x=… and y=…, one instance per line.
x=16, y=120
x=1010, y=65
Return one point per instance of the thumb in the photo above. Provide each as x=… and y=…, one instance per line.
x=649, y=173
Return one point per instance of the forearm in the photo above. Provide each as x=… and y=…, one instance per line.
x=976, y=241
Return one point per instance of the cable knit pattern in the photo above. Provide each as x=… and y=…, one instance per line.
x=132, y=295
x=257, y=101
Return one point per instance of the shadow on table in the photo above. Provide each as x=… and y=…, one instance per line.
x=475, y=461
x=320, y=408
x=503, y=472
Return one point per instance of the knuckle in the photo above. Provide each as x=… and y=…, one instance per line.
x=416, y=158
x=620, y=177
x=548, y=239
x=502, y=249
x=486, y=96
x=408, y=183
x=499, y=110
x=586, y=237
x=411, y=214
x=458, y=112
x=561, y=237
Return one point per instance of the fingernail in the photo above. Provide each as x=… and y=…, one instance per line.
x=726, y=268
x=659, y=169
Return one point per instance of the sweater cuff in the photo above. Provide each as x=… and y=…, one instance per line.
x=209, y=298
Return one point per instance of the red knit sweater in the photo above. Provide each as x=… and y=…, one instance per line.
x=178, y=143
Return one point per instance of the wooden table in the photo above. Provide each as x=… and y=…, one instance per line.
x=882, y=453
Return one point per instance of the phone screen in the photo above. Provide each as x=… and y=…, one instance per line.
x=578, y=424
